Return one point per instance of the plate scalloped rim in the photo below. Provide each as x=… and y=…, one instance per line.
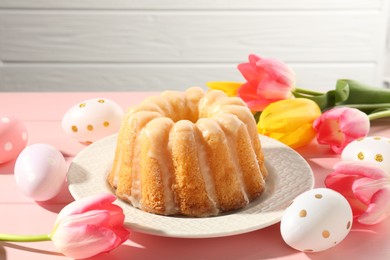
x=289, y=176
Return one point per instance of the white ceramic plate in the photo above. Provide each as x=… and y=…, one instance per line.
x=289, y=176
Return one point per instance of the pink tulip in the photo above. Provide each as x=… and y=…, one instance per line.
x=365, y=186
x=268, y=80
x=340, y=126
x=89, y=226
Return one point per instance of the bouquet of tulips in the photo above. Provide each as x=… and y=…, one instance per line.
x=296, y=116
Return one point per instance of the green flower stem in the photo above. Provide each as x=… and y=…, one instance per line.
x=323, y=100
x=378, y=115
x=367, y=106
x=25, y=238
x=307, y=92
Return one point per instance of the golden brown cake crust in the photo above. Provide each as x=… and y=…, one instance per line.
x=190, y=153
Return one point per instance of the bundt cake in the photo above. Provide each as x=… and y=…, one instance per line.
x=189, y=153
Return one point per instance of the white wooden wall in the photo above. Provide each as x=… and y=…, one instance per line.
x=89, y=45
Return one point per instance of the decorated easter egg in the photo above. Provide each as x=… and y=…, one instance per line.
x=316, y=220
x=373, y=149
x=13, y=138
x=92, y=119
x=40, y=171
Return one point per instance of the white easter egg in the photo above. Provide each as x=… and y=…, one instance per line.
x=40, y=171
x=13, y=138
x=92, y=119
x=316, y=220
x=373, y=149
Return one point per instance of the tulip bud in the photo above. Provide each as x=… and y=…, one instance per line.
x=89, y=226
x=268, y=80
x=340, y=126
x=290, y=121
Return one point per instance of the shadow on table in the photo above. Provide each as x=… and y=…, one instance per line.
x=363, y=242
x=59, y=201
x=27, y=248
x=262, y=244
x=3, y=253
x=7, y=168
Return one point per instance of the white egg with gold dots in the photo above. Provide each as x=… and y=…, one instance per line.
x=93, y=119
x=316, y=220
x=372, y=149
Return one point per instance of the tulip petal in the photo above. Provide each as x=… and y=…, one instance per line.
x=253, y=59
x=354, y=123
x=250, y=73
x=230, y=88
x=289, y=121
x=93, y=217
x=84, y=241
x=340, y=126
x=89, y=226
x=329, y=132
x=277, y=70
x=359, y=169
x=116, y=216
x=99, y=201
x=268, y=88
x=287, y=115
x=268, y=80
x=299, y=137
x=379, y=208
x=111, y=219
x=342, y=183
x=365, y=188
x=248, y=94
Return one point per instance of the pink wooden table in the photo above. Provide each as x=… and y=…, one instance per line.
x=42, y=114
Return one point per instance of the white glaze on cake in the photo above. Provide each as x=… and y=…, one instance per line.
x=201, y=116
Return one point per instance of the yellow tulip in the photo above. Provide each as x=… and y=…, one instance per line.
x=290, y=121
x=230, y=88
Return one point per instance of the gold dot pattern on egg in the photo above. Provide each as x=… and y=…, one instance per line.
x=106, y=124
x=325, y=234
x=89, y=127
x=378, y=157
x=360, y=156
x=303, y=213
x=101, y=101
x=348, y=224
x=308, y=250
x=74, y=128
x=360, y=139
x=318, y=196
x=377, y=138
x=82, y=105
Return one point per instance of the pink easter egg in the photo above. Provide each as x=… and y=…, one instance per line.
x=13, y=138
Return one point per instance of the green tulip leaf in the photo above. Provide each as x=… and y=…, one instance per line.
x=349, y=93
